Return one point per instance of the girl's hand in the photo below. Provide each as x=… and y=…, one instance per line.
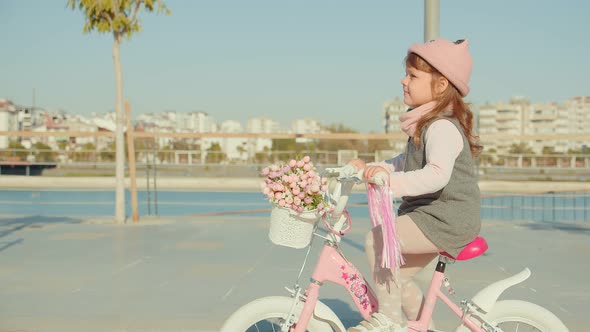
x=371, y=171
x=358, y=164
x=351, y=168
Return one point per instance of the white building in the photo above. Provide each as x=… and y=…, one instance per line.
x=235, y=148
x=578, y=111
x=520, y=117
x=548, y=119
x=198, y=122
x=8, y=120
x=391, y=113
x=504, y=119
x=306, y=126
x=261, y=125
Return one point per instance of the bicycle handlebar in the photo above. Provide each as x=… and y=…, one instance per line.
x=379, y=179
x=340, y=194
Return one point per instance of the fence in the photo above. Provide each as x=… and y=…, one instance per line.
x=548, y=207
x=93, y=153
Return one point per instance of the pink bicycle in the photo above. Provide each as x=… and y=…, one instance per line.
x=302, y=311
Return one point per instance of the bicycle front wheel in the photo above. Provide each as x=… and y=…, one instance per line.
x=267, y=315
x=521, y=316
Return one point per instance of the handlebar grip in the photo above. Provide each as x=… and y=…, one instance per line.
x=380, y=179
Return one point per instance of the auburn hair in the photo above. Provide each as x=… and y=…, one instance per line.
x=449, y=97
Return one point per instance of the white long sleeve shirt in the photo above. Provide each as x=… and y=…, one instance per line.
x=443, y=143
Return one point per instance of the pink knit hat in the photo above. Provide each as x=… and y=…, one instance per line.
x=452, y=59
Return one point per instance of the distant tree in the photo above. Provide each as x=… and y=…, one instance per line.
x=108, y=153
x=182, y=144
x=264, y=156
x=86, y=153
x=287, y=144
x=215, y=154
x=521, y=148
x=241, y=150
x=166, y=154
x=381, y=144
x=62, y=144
x=15, y=150
x=339, y=128
x=335, y=145
x=43, y=152
x=119, y=17
x=548, y=150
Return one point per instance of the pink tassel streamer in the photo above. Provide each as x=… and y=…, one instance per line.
x=382, y=213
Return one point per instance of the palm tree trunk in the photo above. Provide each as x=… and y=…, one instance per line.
x=119, y=136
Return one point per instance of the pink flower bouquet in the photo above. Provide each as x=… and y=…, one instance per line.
x=295, y=185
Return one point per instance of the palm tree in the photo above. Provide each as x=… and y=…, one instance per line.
x=118, y=17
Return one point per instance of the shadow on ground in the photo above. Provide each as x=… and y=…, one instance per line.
x=10, y=225
x=343, y=310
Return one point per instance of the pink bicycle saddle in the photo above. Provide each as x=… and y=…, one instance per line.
x=472, y=250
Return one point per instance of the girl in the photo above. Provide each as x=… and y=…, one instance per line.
x=435, y=178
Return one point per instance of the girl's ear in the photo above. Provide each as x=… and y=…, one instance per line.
x=441, y=85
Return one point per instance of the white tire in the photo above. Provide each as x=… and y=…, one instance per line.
x=515, y=315
x=265, y=314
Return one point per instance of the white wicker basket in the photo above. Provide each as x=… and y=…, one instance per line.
x=289, y=229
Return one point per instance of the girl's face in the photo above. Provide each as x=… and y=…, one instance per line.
x=417, y=87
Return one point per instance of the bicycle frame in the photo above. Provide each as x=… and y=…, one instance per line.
x=435, y=293
x=332, y=266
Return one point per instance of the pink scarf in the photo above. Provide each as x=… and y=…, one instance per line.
x=382, y=213
x=410, y=118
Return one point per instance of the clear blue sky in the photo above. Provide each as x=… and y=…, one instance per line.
x=337, y=61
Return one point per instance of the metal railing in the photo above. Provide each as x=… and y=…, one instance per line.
x=565, y=208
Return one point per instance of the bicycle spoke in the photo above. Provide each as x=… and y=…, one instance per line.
x=517, y=327
x=266, y=325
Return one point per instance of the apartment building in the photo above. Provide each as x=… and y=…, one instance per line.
x=261, y=125
x=391, y=112
x=548, y=119
x=197, y=122
x=504, y=121
x=578, y=109
x=305, y=126
x=519, y=116
x=8, y=120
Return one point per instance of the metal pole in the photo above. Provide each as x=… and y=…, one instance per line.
x=431, y=19
x=155, y=175
x=147, y=174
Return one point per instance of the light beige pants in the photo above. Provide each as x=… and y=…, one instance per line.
x=401, y=294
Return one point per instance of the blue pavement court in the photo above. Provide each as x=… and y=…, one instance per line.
x=189, y=273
